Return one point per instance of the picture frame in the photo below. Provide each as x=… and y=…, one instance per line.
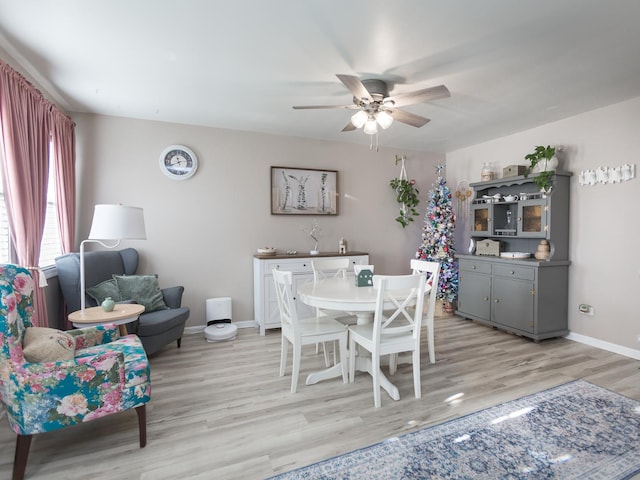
x=304, y=191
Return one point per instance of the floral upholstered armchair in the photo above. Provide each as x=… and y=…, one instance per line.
x=96, y=372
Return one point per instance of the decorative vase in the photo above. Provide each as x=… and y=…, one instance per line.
x=545, y=165
x=108, y=304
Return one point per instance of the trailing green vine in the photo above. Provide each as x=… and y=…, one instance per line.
x=407, y=197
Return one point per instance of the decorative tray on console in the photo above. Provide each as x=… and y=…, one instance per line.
x=515, y=254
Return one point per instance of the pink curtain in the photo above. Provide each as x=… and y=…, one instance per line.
x=25, y=134
x=64, y=152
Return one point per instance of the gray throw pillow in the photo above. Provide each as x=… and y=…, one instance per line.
x=108, y=288
x=144, y=289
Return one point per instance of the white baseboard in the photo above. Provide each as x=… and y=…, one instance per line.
x=193, y=330
x=610, y=347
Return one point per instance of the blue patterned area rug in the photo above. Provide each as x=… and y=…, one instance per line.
x=574, y=431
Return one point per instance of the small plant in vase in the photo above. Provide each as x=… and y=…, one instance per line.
x=541, y=158
x=407, y=197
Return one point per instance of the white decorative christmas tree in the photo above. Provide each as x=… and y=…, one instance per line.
x=437, y=238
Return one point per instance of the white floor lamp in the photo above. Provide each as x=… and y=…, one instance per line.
x=112, y=223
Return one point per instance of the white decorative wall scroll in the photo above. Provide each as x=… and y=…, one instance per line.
x=602, y=175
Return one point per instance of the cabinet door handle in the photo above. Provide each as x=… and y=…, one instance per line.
x=486, y=298
x=511, y=272
x=473, y=267
x=496, y=301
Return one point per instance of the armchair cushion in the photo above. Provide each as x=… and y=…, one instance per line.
x=108, y=288
x=43, y=344
x=144, y=289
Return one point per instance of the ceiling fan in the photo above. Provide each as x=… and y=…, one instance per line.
x=375, y=107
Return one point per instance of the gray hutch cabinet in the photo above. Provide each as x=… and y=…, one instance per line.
x=508, y=288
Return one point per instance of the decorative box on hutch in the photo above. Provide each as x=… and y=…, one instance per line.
x=489, y=247
x=513, y=170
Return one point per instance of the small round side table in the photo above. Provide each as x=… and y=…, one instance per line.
x=122, y=314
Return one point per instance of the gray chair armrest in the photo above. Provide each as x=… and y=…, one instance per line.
x=173, y=296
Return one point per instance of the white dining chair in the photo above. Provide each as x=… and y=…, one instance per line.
x=394, y=330
x=432, y=272
x=332, y=268
x=432, y=269
x=304, y=331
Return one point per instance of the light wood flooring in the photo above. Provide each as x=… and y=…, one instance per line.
x=220, y=411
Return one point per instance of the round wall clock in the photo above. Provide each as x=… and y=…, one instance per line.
x=178, y=162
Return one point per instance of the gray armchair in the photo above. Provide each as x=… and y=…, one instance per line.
x=155, y=329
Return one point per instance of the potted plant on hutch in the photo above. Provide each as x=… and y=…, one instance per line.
x=543, y=162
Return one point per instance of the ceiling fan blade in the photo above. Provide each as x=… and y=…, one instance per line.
x=356, y=87
x=348, y=127
x=419, y=96
x=308, y=107
x=408, y=118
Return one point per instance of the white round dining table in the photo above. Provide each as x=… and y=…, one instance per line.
x=343, y=294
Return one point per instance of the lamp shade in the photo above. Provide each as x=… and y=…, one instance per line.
x=370, y=126
x=384, y=119
x=117, y=222
x=359, y=119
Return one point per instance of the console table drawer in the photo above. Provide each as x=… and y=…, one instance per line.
x=521, y=273
x=296, y=267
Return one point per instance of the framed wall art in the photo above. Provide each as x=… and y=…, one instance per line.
x=303, y=191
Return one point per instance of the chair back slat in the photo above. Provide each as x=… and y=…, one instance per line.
x=329, y=268
x=432, y=271
x=406, y=294
x=283, y=282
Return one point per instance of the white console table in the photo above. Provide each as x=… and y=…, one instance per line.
x=265, y=304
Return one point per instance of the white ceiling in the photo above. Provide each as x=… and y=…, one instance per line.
x=241, y=64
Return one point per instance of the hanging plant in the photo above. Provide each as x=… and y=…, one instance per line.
x=407, y=197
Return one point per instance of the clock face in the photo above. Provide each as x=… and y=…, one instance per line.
x=178, y=162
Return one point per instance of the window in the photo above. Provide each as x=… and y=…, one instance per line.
x=51, y=246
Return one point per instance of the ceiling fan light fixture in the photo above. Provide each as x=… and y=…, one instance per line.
x=371, y=128
x=384, y=119
x=359, y=119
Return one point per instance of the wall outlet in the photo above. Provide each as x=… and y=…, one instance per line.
x=585, y=309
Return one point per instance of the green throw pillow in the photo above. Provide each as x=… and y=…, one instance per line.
x=144, y=289
x=108, y=288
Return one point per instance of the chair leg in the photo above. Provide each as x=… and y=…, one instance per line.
x=416, y=373
x=179, y=342
x=23, y=442
x=296, y=367
x=284, y=347
x=327, y=362
x=352, y=359
x=142, y=424
x=375, y=360
x=343, y=357
x=431, y=342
